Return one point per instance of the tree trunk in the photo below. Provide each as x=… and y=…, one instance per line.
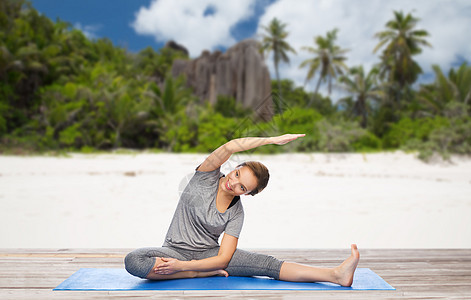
x=117, y=139
x=315, y=92
x=279, y=88
x=330, y=85
x=363, y=112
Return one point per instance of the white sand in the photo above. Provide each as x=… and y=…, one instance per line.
x=384, y=200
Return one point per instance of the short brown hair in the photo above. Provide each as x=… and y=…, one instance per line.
x=260, y=172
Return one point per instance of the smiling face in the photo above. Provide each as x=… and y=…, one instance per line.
x=239, y=182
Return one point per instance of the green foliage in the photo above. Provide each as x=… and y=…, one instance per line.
x=180, y=133
x=61, y=91
x=456, y=87
x=274, y=40
x=229, y=108
x=71, y=136
x=3, y=118
x=455, y=138
x=214, y=130
x=202, y=130
x=294, y=120
x=366, y=142
x=157, y=64
x=344, y=136
x=442, y=135
x=412, y=131
x=401, y=41
x=328, y=60
x=291, y=95
x=363, y=92
x=75, y=92
x=297, y=120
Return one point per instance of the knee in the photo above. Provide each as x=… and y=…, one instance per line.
x=130, y=263
x=136, y=264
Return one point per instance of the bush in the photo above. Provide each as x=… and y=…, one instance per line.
x=410, y=132
x=367, y=142
x=343, y=136
x=295, y=120
x=454, y=138
x=71, y=136
x=214, y=130
x=3, y=117
x=178, y=132
x=443, y=135
x=229, y=108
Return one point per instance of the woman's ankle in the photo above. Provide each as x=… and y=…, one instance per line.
x=212, y=273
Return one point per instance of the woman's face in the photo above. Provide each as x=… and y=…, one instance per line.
x=240, y=181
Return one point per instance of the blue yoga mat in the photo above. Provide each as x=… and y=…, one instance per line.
x=88, y=279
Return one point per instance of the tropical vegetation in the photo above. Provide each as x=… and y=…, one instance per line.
x=61, y=91
x=274, y=40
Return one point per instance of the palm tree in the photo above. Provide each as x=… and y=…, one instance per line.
x=363, y=89
x=274, y=40
x=402, y=42
x=456, y=87
x=328, y=60
x=461, y=80
x=165, y=106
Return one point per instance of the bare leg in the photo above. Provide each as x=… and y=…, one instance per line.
x=186, y=274
x=342, y=274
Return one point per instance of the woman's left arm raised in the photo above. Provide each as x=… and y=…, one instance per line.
x=222, y=154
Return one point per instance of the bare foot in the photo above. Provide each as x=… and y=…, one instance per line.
x=344, y=272
x=212, y=273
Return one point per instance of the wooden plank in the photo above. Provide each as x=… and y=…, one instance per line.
x=68, y=255
x=416, y=273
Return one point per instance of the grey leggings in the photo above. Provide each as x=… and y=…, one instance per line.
x=243, y=263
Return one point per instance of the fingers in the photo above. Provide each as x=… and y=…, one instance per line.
x=166, y=261
x=284, y=139
x=161, y=269
x=292, y=137
x=166, y=267
x=298, y=135
x=163, y=265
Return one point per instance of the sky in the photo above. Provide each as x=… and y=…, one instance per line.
x=217, y=25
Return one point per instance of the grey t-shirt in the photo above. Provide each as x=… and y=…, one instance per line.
x=197, y=224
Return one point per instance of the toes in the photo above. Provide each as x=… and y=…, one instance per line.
x=355, y=250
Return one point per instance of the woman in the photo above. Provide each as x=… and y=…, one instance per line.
x=210, y=205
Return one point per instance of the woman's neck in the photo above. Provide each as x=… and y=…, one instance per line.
x=223, y=199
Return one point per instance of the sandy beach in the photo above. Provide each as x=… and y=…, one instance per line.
x=380, y=200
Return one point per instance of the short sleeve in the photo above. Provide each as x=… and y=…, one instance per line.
x=207, y=178
x=234, y=226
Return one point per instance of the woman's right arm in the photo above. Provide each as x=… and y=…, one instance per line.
x=171, y=266
x=224, y=152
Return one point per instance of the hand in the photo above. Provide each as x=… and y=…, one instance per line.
x=168, y=266
x=286, y=138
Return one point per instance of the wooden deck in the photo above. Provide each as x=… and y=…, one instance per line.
x=417, y=274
